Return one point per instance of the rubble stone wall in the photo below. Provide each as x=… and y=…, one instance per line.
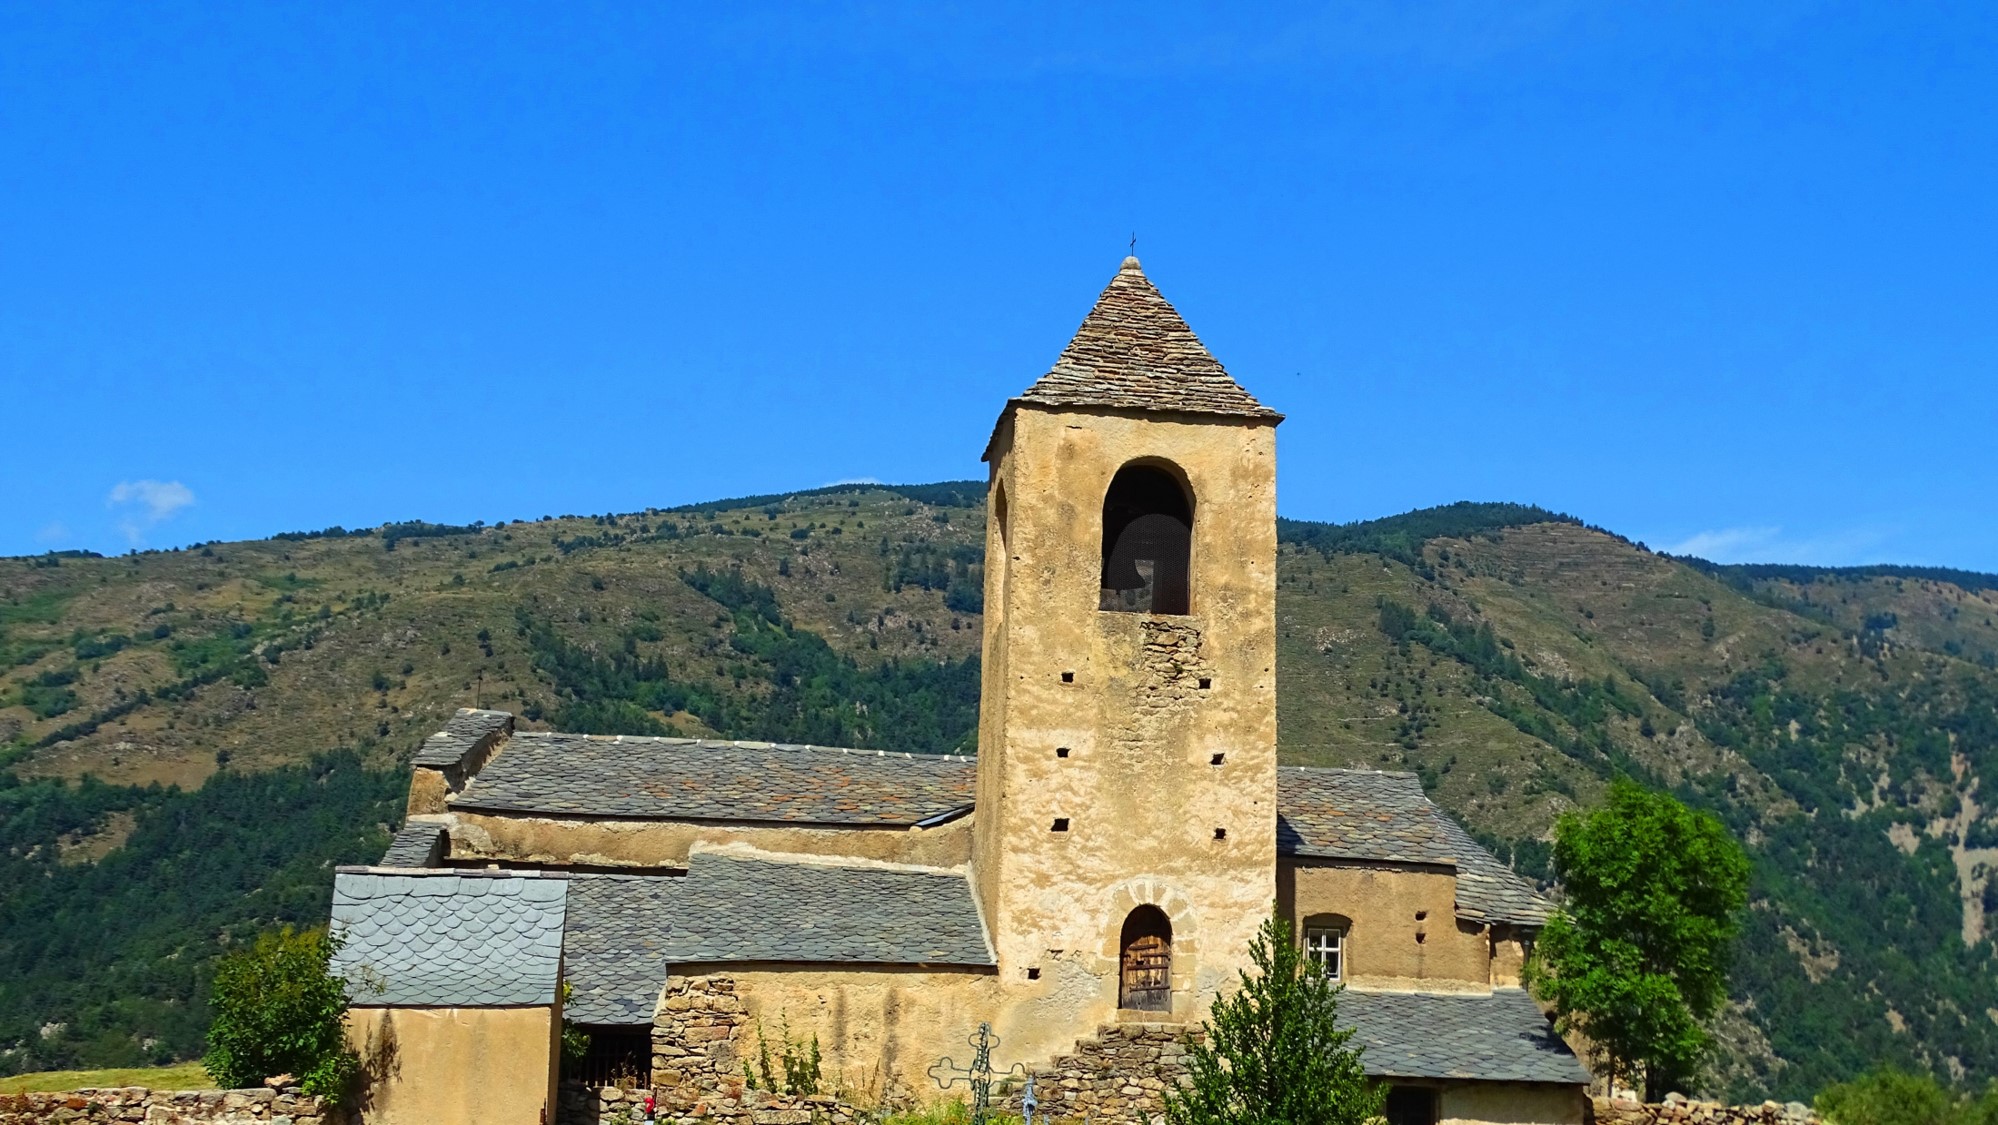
x=699, y=1044
x=1679, y=1110
x=288, y=1106
x=1119, y=1075
x=698, y=1049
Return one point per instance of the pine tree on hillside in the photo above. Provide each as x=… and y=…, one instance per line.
x=1273, y=1052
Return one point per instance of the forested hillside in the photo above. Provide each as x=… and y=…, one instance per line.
x=193, y=738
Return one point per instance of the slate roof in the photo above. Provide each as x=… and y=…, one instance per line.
x=1501, y=1037
x=737, y=909
x=448, y=940
x=700, y=779
x=1358, y=814
x=615, y=946
x=1382, y=816
x=1135, y=352
x=1487, y=889
x=464, y=732
x=417, y=845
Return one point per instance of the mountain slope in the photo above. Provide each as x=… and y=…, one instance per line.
x=1840, y=721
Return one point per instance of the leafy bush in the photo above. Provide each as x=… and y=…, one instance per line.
x=797, y=1065
x=278, y=1010
x=1888, y=1096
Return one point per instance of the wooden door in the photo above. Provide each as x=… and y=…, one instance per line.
x=1147, y=985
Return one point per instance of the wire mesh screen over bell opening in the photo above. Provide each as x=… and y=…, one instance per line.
x=1145, y=568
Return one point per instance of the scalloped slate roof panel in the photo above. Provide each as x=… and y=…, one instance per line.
x=460, y=735
x=615, y=946
x=736, y=909
x=448, y=940
x=416, y=845
x=1501, y=1037
x=702, y=779
x=1135, y=352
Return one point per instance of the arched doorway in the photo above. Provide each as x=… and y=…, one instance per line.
x=1145, y=984
x=1147, y=542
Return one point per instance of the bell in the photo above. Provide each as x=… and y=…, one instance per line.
x=1121, y=573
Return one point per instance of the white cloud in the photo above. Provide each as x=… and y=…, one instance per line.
x=57, y=532
x=1771, y=545
x=147, y=503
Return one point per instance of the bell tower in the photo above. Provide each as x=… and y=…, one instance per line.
x=1124, y=842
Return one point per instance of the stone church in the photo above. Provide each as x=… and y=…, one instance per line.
x=1087, y=885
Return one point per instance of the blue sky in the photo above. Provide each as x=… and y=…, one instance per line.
x=1716, y=276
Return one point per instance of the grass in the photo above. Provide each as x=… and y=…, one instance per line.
x=179, y=1076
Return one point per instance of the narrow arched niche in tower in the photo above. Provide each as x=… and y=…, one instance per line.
x=1147, y=541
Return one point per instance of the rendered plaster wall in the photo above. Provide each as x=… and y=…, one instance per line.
x=1512, y=1103
x=1139, y=787
x=1508, y=957
x=456, y=1066
x=1405, y=931
x=665, y=843
x=428, y=790
x=879, y=1028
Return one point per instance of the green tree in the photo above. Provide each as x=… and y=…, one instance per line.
x=1637, y=958
x=278, y=1010
x=1273, y=1054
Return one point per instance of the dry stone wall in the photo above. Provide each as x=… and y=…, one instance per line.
x=1119, y=1075
x=1679, y=1110
x=288, y=1106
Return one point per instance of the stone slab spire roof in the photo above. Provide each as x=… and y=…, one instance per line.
x=1134, y=352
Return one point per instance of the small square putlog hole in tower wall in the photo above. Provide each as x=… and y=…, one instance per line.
x=1220, y=833
x=1217, y=759
x=1061, y=751
x=1205, y=683
x=1068, y=677
x=1060, y=824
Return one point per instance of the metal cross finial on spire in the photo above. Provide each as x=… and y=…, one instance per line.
x=1134, y=244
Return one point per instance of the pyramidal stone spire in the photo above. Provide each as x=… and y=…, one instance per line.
x=1134, y=352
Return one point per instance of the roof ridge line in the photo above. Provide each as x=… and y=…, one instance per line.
x=749, y=744
x=750, y=853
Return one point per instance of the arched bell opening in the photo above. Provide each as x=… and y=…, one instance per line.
x=1147, y=542
x=1145, y=983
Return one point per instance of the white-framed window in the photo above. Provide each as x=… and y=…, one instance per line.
x=1325, y=945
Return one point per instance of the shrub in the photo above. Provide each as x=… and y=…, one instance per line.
x=1274, y=1051
x=1889, y=1096
x=278, y=1010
